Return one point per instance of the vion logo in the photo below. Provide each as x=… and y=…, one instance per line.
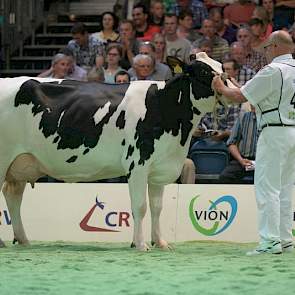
x=213, y=221
x=110, y=219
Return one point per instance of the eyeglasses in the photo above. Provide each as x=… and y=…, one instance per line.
x=144, y=66
x=267, y=45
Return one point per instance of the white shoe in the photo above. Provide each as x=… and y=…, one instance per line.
x=287, y=246
x=266, y=248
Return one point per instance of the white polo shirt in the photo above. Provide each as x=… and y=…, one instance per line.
x=272, y=92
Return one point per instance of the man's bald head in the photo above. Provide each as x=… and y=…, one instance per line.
x=282, y=38
x=278, y=43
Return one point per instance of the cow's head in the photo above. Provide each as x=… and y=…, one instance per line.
x=201, y=73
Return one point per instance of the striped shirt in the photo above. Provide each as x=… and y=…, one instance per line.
x=245, y=135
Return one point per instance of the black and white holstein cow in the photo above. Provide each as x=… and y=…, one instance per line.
x=78, y=131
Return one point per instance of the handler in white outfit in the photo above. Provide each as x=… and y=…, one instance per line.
x=272, y=92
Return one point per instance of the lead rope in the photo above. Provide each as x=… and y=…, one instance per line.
x=218, y=101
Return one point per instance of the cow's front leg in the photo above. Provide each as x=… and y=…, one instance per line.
x=156, y=204
x=137, y=189
x=13, y=193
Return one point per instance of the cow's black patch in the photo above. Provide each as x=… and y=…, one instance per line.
x=123, y=142
x=170, y=109
x=55, y=140
x=121, y=120
x=130, y=151
x=131, y=167
x=196, y=111
x=72, y=159
x=68, y=109
x=86, y=151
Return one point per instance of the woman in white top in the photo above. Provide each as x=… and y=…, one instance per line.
x=109, y=27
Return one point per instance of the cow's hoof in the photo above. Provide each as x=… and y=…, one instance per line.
x=143, y=248
x=163, y=245
x=22, y=243
x=2, y=245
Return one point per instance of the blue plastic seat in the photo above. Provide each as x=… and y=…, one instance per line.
x=210, y=158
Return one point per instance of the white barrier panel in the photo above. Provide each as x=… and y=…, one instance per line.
x=101, y=212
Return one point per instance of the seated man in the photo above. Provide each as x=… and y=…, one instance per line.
x=218, y=128
x=242, y=147
x=143, y=66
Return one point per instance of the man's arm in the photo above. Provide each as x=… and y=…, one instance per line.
x=233, y=149
x=233, y=94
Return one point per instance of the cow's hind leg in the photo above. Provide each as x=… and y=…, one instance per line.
x=13, y=193
x=2, y=178
x=137, y=190
x=156, y=204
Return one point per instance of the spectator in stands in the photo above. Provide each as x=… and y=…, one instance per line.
x=161, y=71
x=109, y=26
x=160, y=47
x=197, y=7
x=283, y=14
x=203, y=46
x=59, y=67
x=239, y=12
x=143, y=66
x=175, y=46
x=269, y=7
x=238, y=74
x=75, y=72
x=188, y=173
x=220, y=45
x=157, y=11
x=143, y=30
x=253, y=59
x=113, y=57
x=96, y=74
x=219, y=124
x=129, y=43
x=227, y=32
x=185, y=26
x=258, y=30
x=242, y=146
x=87, y=50
x=261, y=13
x=237, y=53
x=122, y=77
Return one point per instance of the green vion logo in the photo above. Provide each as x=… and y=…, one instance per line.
x=213, y=216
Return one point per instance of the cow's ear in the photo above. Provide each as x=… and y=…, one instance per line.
x=175, y=64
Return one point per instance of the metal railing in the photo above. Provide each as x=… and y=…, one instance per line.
x=20, y=19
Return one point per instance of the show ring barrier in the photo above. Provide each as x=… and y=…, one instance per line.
x=101, y=212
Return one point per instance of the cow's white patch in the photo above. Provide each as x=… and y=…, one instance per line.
x=61, y=115
x=101, y=112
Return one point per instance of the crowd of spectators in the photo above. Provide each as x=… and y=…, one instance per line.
x=132, y=44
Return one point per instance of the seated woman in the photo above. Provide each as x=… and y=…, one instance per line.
x=109, y=27
x=60, y=66
x=113, y=58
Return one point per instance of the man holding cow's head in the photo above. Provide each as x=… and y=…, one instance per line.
x=271, y=91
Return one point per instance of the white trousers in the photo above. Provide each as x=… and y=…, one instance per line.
x=274, y=180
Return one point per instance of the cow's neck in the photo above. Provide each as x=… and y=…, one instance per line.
x=169, y=110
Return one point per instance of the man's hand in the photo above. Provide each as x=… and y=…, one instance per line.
x=218, y=84
x=198, y=132
x=246, y=162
